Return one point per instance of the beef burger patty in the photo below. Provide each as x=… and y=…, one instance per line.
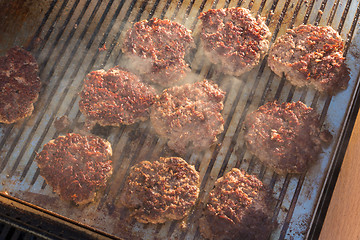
x=161, y=190
x=76, y=166
x=286, y=137
x=19, y=85
x=189, y=115
x=311, y=56
x=234, y=39
x=239, y=207
x=157, y=48
x=115, y=97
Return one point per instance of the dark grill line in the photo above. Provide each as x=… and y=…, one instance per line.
x=144, y=135
x=292, y=206
x=322, y=118
x=201, y=8
x=349, y=36
x=126, y=18
x=129, y=141
x=19, y=132
x=11, y=127
x=59, y=35
x=262, y=4
x=40, y=28
x=127, y=167
x=113, y=43
x=288, y=176
x=343, y=17
x=238, y=127
x=58, y=58
x=29, y=48
x=215, y=2
x=318, y=17
x=115, y=38
x=304, y=93
x=263, y=168
x=52, y=94
x=153, y=9
x=308, y=12
x=67, y=42
x=135, y=147
x=46, y=38
x=90, y=66
x=227, y=3
x=165, y=9
x=68, y=85
x=333, y=11
x=239, y=3
x=297, y=9
x=188, y=9
x=174, y=223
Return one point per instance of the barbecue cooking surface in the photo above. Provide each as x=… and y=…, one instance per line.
x=66, y=45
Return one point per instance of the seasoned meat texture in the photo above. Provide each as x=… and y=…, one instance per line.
x=157, y=49
x=239, y=207
x=161, y=190
x=311, y=56
x=115, y=97
x=19, y=85
x=189, y=114
x=234, y=39
x=76, y=166
x=286, y=137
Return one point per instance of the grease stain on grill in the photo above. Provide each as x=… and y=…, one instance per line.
x=102, y=131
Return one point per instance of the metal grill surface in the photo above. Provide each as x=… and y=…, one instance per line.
x=71, y=33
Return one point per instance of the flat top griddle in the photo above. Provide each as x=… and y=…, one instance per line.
x=66, y=43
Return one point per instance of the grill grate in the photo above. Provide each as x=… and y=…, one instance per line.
x=72, y=31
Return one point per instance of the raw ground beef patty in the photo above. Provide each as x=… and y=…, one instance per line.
x=76, y=166
x=234, y=39
x=239, y=207
x=311, y=56
x=161, y=190
x=286, y=137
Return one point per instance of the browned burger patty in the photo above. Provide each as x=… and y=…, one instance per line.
x=189, y=114
x=19, y=85
x=157, y=50
x=161, y=190
x=234, y=39
x=76, y=166
x=239, y=207
x=286, y=137
x=311, y=56
x=115, y=97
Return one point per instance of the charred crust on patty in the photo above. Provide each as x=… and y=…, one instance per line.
x=189, y=115
x=234, y=39
x=157, y=48
x=311, y=56
x=76, y=166
x=19, y=85
x=286, y=137
x=161, y=190
x=239, y=207
x=115, y=97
